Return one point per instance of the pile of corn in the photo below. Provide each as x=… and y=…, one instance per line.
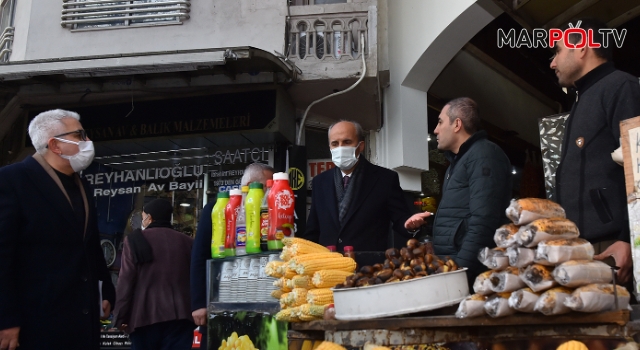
x=305, y=278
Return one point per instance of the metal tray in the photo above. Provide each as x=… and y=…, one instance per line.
x=398, y=298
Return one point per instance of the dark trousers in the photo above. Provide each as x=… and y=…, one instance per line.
x=170, y=335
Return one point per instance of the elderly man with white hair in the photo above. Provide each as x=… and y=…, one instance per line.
x=50, y=256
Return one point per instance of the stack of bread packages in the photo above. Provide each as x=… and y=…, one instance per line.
x=306, y=275
x=541, y=265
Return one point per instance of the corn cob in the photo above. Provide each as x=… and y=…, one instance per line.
x=572, y=345
x=296, y=297
x=329, y=278
x=312, y=310
x=322, y=296
x=327, y=345
x=272, y=269
x=283, y=284
x=294, y=261
x=340, y=264
x=287, y=315
x=289, y=273
x=283, y=304
x=298, y=246
x=300, y=281
x=277, y=294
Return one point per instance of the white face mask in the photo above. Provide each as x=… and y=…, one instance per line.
x=83, y=158
x=142, y=225
x=344, y=157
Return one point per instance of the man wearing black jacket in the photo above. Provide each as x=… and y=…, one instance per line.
x=589, y=184
x=476, y=188
x=355, y=203
x=50, y=257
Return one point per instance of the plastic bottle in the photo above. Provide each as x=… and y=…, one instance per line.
x=281, y=211
x=332, y=248
x=219, y=225
x=349, y=253
x=230, y=215
x=264, y=218
x=252, y=206
x=241, y=225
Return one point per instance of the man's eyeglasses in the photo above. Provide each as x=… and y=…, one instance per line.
x=80, y=132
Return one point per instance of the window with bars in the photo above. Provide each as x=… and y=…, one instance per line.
x=98, y=14
x=7, y=10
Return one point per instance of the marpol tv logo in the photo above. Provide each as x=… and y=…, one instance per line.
x=549, y=37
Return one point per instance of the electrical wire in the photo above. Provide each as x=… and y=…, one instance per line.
x=364, y=71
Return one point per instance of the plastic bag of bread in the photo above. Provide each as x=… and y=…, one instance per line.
x=538, y=277
x=597, y=297
x=494, y=258
x=557, y=251
x=546, y=229
x=507, y=280
x=520, y=256
x=482, y=284
x=471, y=306
x=526, y=210
x=551, y=302
x=505, y=235
x=576, y=273
x=498, y=305
x=523, y=300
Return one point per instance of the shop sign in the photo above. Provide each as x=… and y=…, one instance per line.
x=316, y=167
x=225, y=172
x=252, y=110
x=114, y=339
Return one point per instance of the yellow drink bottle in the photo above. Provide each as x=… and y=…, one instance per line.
x=252, y=207
x=218, y=223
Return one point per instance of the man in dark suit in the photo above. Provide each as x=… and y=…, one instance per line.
x=50, y=255
x=354, y=203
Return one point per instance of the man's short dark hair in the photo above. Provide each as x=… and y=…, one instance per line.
x=467, y=110
x=594, y=24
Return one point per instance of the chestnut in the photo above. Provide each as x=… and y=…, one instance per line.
x=412, y=243
x=391, y=253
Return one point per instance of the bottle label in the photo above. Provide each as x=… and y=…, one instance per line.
x=264, y=226
x=241, y=236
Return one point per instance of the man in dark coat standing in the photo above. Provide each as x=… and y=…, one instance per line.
x=476, y=188
x=50, y=256
x=355, y=203
x=589, y=184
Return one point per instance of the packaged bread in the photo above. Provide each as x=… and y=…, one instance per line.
x=597, y=297
x=506, y=280
x=557, y=251
x=505, y=235
x=482, y=284
x=520, y=256
x=494, y=258
x=497, y=305
x=576, y=273
x=546, y=229
x=526, y=210
x=523, y=300
x=538, y=277
x=471, y=306
x=551, y=302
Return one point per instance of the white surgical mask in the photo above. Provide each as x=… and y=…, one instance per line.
x=344, y=157
x=142, y=225
x=83, y=158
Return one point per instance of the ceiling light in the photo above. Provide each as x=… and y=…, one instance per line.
x=185, y=204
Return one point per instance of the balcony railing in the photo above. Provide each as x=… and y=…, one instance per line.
x=6, y=41
x=328, y=37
